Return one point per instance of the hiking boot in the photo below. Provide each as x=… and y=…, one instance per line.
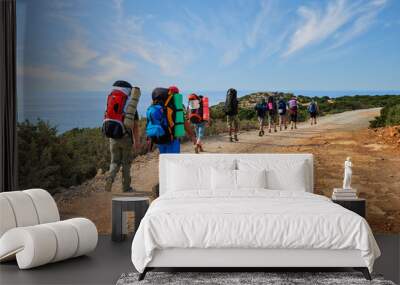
x=275, y=130
x=201, y=148
x=236, y=138
x=231, y=139
x=260, y=133
x=269, y=130
x=285, y=127
x=108, y=185
x=196, y=148
x=129, y=190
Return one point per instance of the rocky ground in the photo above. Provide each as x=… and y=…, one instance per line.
x=375, y=154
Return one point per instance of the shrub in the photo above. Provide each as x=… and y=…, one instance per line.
x=390, y=116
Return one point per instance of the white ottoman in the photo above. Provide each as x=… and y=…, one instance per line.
x=31, y=232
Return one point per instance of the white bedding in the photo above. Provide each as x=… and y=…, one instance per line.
x=250, y=219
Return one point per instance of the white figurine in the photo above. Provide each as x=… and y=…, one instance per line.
x=347, y=174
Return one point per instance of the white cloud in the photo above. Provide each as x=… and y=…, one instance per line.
x=258, y=24
x=317, y=25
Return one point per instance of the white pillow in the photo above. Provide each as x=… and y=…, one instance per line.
x=293, y=180
x=184, y=176
x=223, y=179
x=251, y=178
x=290, y=175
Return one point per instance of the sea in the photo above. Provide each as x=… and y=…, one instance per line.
x=71, y=110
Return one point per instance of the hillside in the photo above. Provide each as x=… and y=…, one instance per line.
x=327, y=105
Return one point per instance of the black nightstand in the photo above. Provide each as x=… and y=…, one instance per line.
x=358, y=206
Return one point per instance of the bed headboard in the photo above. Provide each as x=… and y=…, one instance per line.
x=208, y=159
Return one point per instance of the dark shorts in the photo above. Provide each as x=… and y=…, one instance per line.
x=313, y=114
x=293, y=116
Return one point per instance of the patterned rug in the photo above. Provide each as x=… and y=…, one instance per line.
x=242, y=278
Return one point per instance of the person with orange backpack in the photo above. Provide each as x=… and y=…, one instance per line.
x=120, y=125
x=166, y=122
x=199, y=116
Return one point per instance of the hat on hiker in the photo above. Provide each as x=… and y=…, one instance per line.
x=123, y=86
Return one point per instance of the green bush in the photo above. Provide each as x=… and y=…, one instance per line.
x=390, y=116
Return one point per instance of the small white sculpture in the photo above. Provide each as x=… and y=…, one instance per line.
x=347, y=174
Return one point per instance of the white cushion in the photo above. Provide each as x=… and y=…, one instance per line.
x=7, y=218
x=223, y=179
x=23, y=208
x=67, y=240
x=282, y=174
x=46, y=207
x=87, y=233
x=251, y=179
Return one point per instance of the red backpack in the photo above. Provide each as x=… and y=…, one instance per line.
x=113, y=123
x=195, y=108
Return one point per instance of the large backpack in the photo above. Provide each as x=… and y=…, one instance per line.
x=293, y=104
x=195, y=106
x=261, y=109
x=271, y=106
x=157, y=125
x=281, y=107
x=231, y=102
x=161, y=115
x=113, y=123
x=312, y=108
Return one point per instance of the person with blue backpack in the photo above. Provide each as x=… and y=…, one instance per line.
x=166, y=121
x=282, y=111
x=313, y=111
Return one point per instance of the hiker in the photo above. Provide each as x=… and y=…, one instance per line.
x=261, y=109
x=282, y=107
x=313, y=111
x=271, y=107
x=121, y=126
x=293, y=112
x=231, y=112
x=199, y=116
x=166, y=121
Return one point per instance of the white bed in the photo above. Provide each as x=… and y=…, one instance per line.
x=197, y=222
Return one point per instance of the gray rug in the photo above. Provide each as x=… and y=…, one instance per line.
x=228, y=278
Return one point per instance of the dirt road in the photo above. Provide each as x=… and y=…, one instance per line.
x=375, y=171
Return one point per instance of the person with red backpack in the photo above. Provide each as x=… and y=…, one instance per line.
x=120, y=125
x=199, y=116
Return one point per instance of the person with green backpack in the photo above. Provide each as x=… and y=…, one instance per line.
x=166, y=120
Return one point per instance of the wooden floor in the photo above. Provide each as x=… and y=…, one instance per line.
x=110, y=260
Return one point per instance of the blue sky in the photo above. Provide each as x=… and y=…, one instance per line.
x=78, y=46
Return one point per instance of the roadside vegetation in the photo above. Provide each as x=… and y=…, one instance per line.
x=390, y=116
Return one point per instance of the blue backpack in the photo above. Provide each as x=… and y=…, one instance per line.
x=281, y=107
x=312, y=108
x=156, y=123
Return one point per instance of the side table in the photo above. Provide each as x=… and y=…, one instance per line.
x=358, y=205
x=121, y=207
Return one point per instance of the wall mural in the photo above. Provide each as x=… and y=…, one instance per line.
x=302, y=85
